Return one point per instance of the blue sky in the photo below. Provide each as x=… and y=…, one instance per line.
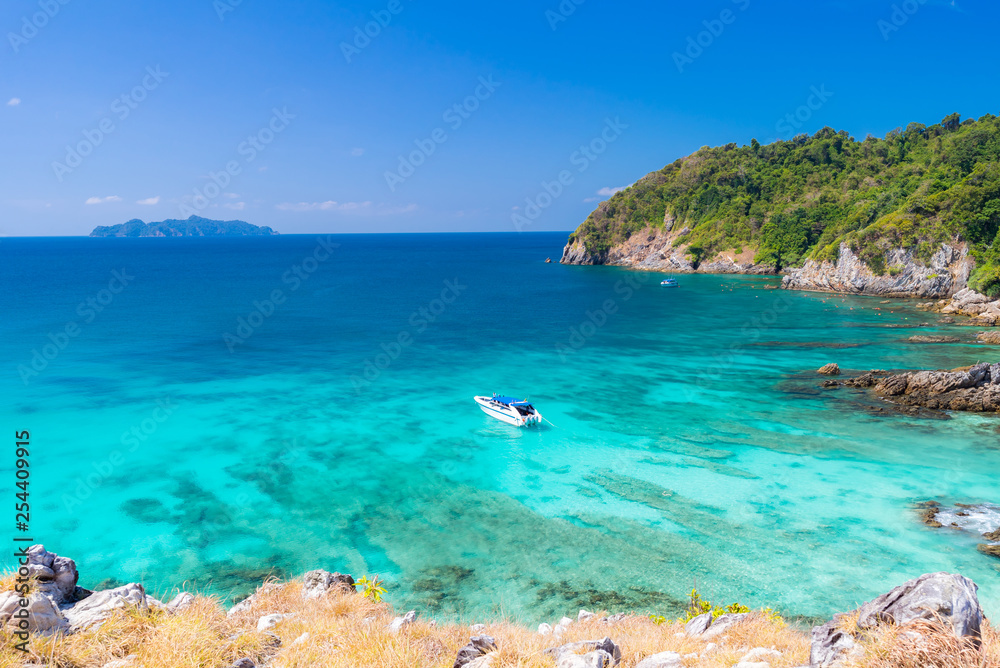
x=256, y=110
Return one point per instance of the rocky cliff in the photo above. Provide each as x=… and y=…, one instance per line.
x=914, y=214
x=657, y=249
x=946, y=274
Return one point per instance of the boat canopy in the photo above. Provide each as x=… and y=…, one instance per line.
x=510, y=401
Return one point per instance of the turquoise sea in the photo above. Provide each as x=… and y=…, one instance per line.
x=333, y=426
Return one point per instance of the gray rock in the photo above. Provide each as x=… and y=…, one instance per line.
x=723, y=623
x=268, y=622
x=478, y=647
x=950, y=599
x=397, y=624
x=96, y=608
x=596, y=659
x=57, y=576
x=249, y=602
x=832, y=646
x=605, y=645
x=316, y=584
x=244, y=663
x=544, y=629
x=180, y=602
x=662, y=660
x=585, y=616
x=43, y=616
x=698, y=625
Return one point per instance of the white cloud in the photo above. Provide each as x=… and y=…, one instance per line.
x=149, y=201
x=230, y=195
x=608, y=192
x=103, y=200
x=592, y=199
x=14, y=101
x=347, y=207
x=358, y=152
x=236, y=206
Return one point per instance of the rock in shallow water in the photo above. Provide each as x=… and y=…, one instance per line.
x=829, y=370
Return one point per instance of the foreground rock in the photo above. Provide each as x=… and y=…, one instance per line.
x=943, y=598
x=983, y=310
x=598, y=654
x=947, y=272
x=976, y=389
x=829, y=370
x=478, y=647
x=706, y=626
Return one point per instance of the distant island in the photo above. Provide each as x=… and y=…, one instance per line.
x=192, y=227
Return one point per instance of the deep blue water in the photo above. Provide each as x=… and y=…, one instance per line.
x=689, y=443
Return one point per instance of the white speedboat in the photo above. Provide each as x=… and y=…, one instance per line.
x=669, y=283
x=511, y=411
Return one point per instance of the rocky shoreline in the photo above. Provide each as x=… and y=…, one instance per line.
x=973, y=389
x=318, y=619
x=982, y=520
x=659, y=249
x=983, y=311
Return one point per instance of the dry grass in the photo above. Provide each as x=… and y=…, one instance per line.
x=928, y=645
x=347, y=631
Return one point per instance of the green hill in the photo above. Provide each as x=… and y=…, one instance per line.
x=800, y=199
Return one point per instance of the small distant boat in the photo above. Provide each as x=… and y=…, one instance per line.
x=509, y=410
x=669, y=283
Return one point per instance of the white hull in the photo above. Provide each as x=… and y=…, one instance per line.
x=508, y=414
